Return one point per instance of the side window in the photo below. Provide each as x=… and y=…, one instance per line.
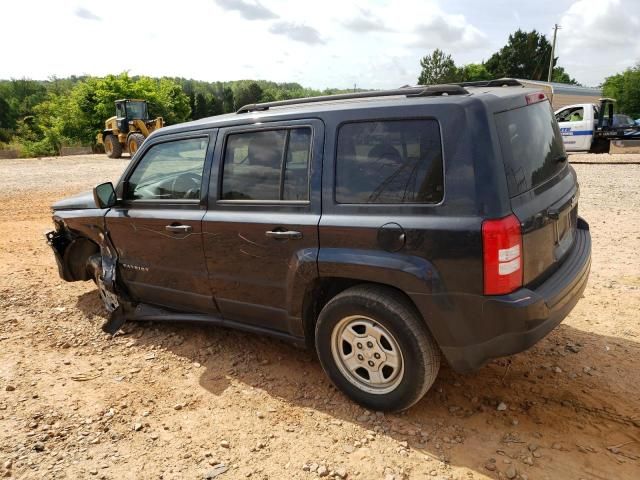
x=575, y=114
x=389, y=162
x=296, y=172
x=562, y=115
x=267, y=165
x=169, y=171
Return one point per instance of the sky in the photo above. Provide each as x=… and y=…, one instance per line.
x=319, y=44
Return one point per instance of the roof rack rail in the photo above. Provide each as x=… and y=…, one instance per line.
x=419, y=91
x=500, y=82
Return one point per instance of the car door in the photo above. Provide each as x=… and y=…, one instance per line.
x=261, y=229
x=576, y=128
x=157, y=227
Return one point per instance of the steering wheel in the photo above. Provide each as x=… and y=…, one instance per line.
x=189, y=183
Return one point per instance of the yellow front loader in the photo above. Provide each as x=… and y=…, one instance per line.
x=125, y=132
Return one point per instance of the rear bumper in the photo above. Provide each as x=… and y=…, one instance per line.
x=478, y=328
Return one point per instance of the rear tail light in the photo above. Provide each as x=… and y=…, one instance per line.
x=502, y=255
x=535, y=97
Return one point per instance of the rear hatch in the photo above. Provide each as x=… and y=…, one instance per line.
x=542, y=186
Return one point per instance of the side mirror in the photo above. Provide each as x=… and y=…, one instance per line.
x=104, y=195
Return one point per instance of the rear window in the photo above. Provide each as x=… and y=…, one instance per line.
x=393, y=161
x=531, y=145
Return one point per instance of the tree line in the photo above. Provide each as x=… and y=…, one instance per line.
x=39, y=117
x=526, y=55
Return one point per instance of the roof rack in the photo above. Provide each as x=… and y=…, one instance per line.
x=420, y=91
x=500, y=82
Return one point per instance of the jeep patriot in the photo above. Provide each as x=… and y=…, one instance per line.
x=384, y=229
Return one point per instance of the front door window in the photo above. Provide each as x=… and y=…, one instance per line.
x=169, y=171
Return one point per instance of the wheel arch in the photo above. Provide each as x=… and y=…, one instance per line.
x=323, y=289
x=75, y=258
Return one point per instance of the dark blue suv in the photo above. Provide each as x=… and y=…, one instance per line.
x=385, y=229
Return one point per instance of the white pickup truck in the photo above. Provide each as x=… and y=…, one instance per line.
x=590, y=127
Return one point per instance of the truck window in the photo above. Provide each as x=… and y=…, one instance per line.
x=575, y=114
x=394, y=161
x=531, y=146
x=120, y=110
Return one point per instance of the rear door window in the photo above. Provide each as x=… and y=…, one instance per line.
x=391, y=161
x=267, y=165
x=531, y=146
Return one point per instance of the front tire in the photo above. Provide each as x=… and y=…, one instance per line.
x=374, y=347
x=112, y=146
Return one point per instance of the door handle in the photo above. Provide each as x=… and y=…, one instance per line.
x=283, y=234
x=178, y=228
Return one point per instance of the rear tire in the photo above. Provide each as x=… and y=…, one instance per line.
x=112, y=146
x=134, y=141
x=374, y=347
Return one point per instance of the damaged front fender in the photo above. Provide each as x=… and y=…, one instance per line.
x=79, y=258
x=73, y=244
x=59, y=243
x=114, y=296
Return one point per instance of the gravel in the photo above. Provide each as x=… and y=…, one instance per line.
x=54, y=425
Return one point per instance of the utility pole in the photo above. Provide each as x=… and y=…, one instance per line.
x=553, y=51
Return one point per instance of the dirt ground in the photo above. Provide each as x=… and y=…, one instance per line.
x=172, y=401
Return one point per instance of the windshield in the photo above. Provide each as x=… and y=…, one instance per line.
x=532, y=146
x=137, y=110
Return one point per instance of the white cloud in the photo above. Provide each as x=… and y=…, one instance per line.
x=366, y=22
x=297, y=32
x=250, y=10
x=598, y=38
x=449, y=33
x=86, y=14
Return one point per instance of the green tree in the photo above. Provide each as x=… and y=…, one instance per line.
x=213, y=106
x=625, y=88
x=560, y=76
x=91, y=102
x=228, y=102
x=44, y=115
x=192, y=103
x=474, y=72
x=201, y=107
x=438, y=68
x=7, y=120
x=526, y=55
x=170, y=101
x=246, y=93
